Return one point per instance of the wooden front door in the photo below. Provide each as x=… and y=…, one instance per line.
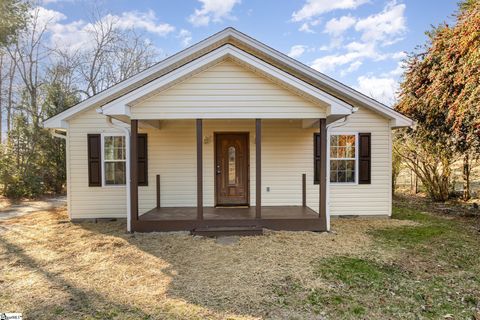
x=231, y=168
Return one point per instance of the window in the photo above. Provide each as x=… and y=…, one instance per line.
x=114, y=160
x=231, y=166
x=343, y=158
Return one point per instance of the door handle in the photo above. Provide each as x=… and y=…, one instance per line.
x=218, y=170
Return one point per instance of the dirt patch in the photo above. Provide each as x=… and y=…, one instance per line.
x=4, y=202
x=52, y=268
x=9, y=208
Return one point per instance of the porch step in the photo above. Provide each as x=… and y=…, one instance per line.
x=228, y=231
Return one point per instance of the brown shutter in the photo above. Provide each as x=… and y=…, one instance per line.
x=142, y=159
x=365, y=161
x=317, y=149
x=94, y=160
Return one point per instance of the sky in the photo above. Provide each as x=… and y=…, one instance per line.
x=361, y=43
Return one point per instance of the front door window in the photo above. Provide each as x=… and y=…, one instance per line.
x=231, y=165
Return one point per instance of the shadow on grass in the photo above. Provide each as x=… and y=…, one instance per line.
x=412, y=284
x=80, y=303
x=429, y=270
x=202, y=273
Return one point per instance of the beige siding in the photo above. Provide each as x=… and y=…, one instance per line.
x=85, y=201
x=287, y=153
x=226, y=90
x=172, y=155
x=374, y=198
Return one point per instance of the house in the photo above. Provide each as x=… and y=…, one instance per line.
x=228, y=135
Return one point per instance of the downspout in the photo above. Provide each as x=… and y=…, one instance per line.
x=54, y=133
x=126, y=130
x=333, y=125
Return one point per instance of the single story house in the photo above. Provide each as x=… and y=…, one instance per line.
x=228, y=135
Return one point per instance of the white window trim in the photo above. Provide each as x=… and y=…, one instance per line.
x=342, y=133
x=102, y=143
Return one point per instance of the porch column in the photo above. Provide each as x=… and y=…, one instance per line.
x=134, y=173
x=199, y=169
x=322, y=209
x=258, y=168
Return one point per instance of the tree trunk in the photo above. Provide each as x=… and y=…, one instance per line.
x=416, y=181
x=466, y=177
x=11, y=75
x=1, y=104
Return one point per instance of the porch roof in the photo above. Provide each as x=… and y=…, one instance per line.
x=326, y=104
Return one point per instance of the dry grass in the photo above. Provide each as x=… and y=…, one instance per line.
x=51, y=268
x=4, y=202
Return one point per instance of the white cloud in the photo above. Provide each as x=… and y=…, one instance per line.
x=314, y=8
x=356, y=51
x=143, y=20
x=46, y=17
x=306, y=26
x=75, y=35
x=398, y=71
x=375, y=31
x=385, y=26
x=330, y=62
x=46, y=2
x=383, y=89
x=351, y=68
x=335, y=43
x=399, y=55
x=212, y=10
x=297, y=50
x=185, y=37
x=336, y=27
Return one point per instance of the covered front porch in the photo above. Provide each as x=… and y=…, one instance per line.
x=245, y=218
x=264, y=118
x=223, y=220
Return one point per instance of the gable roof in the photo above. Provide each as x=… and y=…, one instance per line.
x=122, y=105
x=240, y=40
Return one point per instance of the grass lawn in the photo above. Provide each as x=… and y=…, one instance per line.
x=419, y=265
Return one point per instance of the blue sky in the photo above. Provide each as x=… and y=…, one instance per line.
x=358, y=42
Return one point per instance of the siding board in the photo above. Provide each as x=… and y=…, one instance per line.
x=226, y=90
x=287, y=154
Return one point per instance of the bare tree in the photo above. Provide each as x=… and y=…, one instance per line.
x=10, y=101
x=7, y=79
x=104, y=34
x=431, y=163
x=132, y=54
x=115, y=54
x=63, y=68
x=1, y=93
x=28, y=53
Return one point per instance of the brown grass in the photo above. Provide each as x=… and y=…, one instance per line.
x=52, y=268
x=4, y=202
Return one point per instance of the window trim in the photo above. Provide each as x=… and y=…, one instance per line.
x=102, y=146
x=343, y=133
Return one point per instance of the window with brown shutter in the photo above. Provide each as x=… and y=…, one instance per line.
x=365, y=161
x=343, y=158
x=142, y=159
x=94, y=160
